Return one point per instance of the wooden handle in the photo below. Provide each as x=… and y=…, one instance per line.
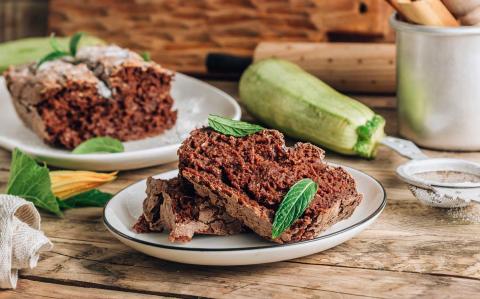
x=397, y=8
x=472, y=18
x=427, y=12
x=461, y=8
x=349, y=67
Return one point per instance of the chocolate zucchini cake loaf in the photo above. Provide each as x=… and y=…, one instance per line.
x=173, y=205
x=249, y=176
x=103, y=91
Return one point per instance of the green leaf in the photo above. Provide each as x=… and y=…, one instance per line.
x=91, y=198
x=51, y=56
x=99, y=145
x=232, y=127
x=146, y=56
x=74, y=43
x=293, y=205
x=32, y=182
x=54, y=43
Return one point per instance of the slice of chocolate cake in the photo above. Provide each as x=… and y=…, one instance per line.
x=103, y=91
x=173, y=205
x=249, y=176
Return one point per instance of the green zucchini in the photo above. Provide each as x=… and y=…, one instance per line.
x=34, y=48
x=285, y=97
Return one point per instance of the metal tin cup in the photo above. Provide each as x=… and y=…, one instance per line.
x=438, y=85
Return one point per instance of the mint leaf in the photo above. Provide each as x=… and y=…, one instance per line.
x=54, y=43
x=32, y=182
x=232, y=127
x=293, y=205
x=146, y=56
x=91, y=198
x=99, y=145
x=74, y=43
x=58, y=52
x=51, y=56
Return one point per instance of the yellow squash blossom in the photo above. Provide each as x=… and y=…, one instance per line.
x=66, y=183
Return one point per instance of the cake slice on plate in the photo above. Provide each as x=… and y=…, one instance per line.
x=174, y=206
x=103, y=91
x=249, y=177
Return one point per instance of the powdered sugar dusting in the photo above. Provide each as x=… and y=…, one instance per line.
x=185, y=122
x=60, y=70
x=103, y=90
x=103, y=52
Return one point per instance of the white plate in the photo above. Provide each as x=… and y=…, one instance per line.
x=194, y=99
x=123, y=210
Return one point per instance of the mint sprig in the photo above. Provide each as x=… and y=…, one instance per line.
x=74, y=41
x=293, y=205
x=146, y=56
x=99, y=145
x=232, y=127
x=52, y=56
x=58, y=52
x=54, y=43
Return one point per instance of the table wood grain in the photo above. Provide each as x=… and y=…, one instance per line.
x=410, y=251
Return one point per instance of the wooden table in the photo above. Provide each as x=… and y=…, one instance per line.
x=410, y=251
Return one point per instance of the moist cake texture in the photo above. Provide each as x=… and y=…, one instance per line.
x=173, y=205
x=104, y=91
x=249, y=176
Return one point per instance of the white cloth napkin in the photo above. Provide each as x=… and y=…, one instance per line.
x=21, y=240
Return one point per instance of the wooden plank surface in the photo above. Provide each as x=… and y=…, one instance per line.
x=23, y=18
x=410, y=251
